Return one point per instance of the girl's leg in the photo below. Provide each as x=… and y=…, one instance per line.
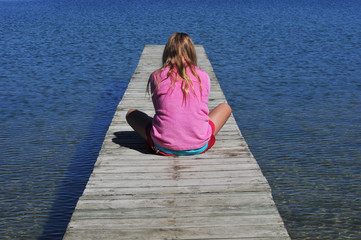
x=139, y=121
x=220, y=115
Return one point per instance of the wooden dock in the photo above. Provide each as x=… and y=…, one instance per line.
x=221, y=194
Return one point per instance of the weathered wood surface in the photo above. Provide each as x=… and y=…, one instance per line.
x=221, y=194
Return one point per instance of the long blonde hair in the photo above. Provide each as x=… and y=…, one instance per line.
x=179, y=53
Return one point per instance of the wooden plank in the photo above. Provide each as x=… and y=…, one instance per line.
x=131, y=194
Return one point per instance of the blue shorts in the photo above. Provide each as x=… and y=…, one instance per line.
x=182, y=152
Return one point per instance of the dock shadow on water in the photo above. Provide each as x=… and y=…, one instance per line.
x=72, y=186
x=130, y=139
x=80, y=167
x=79, y=171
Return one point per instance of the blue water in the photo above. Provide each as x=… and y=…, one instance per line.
x=289, y=69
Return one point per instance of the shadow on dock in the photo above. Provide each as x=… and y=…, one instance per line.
x=130, y=139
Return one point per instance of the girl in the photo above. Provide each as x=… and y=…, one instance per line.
x=182, y=124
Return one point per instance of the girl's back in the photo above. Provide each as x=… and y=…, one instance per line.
x=180, y=123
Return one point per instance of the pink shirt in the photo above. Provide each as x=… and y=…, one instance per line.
x=178, y=124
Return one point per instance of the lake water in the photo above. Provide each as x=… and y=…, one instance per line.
x=291, y=70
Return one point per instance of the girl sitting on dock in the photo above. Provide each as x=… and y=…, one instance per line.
x=182, y=124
